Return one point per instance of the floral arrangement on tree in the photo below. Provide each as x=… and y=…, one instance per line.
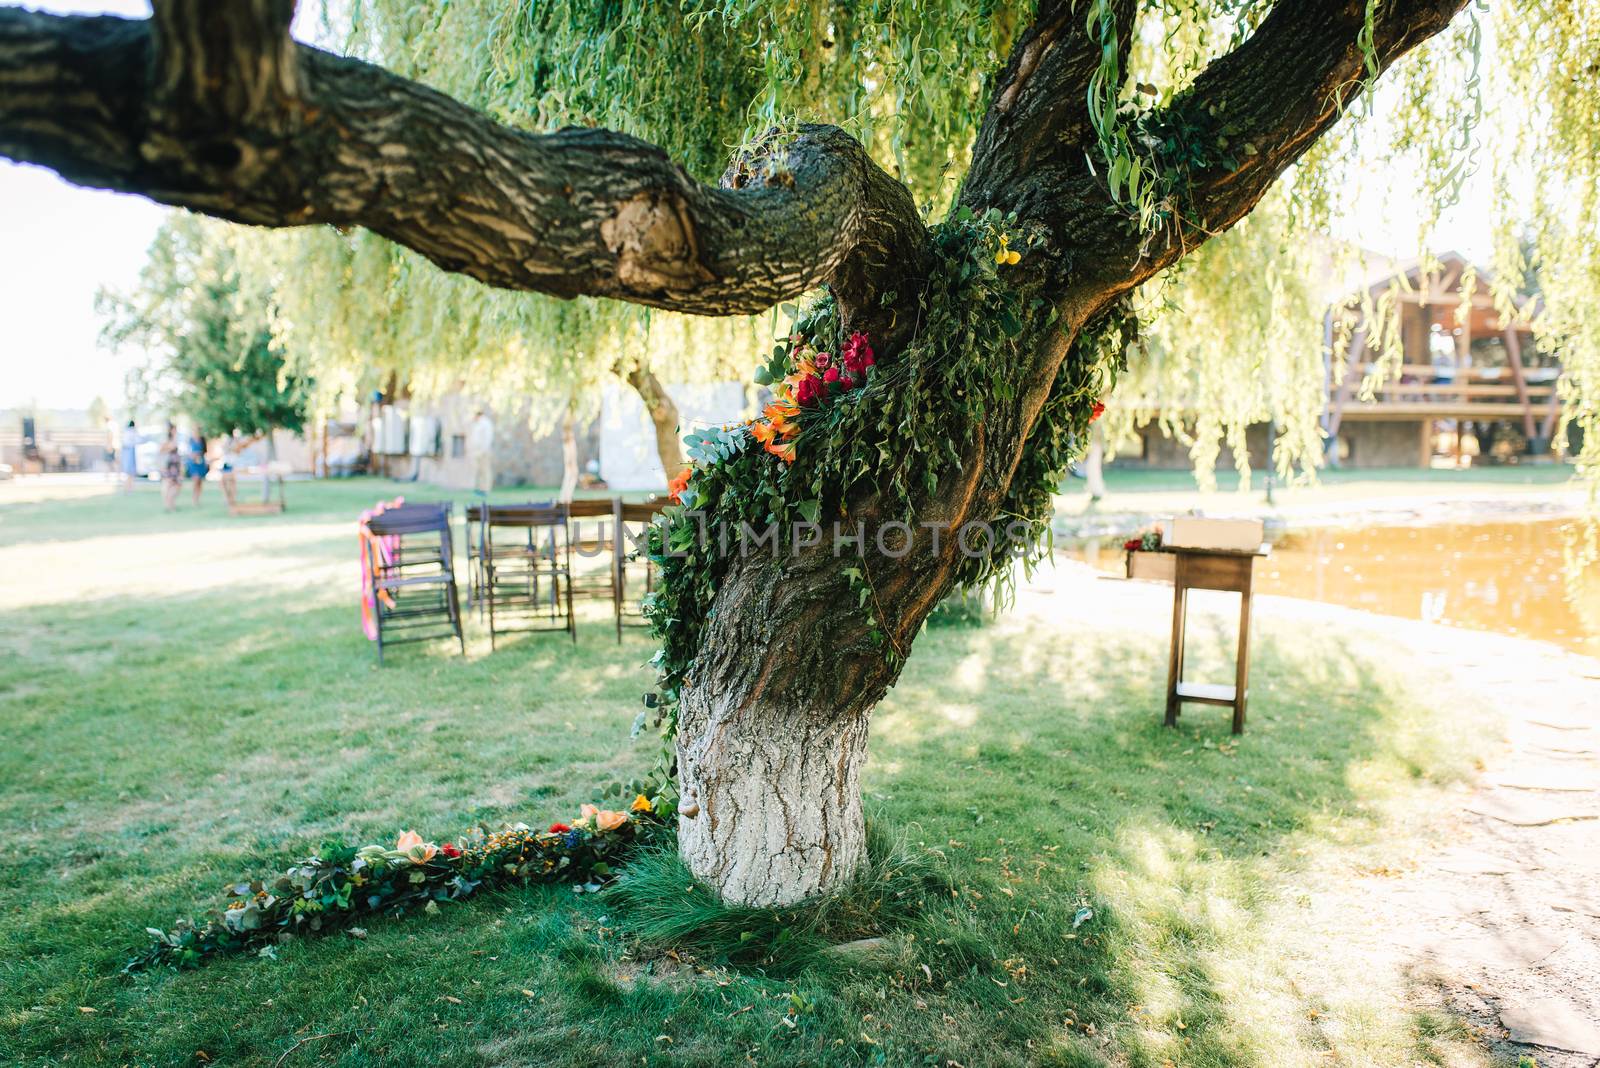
x=806, y=379
x=842, y=420
x=340, y=886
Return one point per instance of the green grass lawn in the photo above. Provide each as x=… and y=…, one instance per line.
x=185, y=699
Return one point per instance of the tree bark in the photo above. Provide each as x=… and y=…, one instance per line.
x=569, y=457
x=663, y=415
x=777, y=797
x=214, y=108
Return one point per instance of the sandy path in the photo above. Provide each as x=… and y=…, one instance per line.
x=1491, y=905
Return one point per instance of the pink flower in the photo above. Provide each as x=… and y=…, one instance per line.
x=823, y=359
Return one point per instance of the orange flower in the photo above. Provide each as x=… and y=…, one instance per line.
x=763, y=431
x=676, y=487
x=784, y=452
x=416, y=850
x=641, y=804
x=780, y=413
x=610, y=821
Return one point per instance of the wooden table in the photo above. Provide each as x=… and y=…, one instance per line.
x=1229, y=570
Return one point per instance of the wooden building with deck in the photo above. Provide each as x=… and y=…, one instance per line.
x=1470, y=387
x=1470, y=382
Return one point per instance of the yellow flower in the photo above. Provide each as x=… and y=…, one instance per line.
x=610, y=821
x=416, y=850
x=641, y=804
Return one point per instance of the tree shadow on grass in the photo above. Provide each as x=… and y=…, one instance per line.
x=1044, y=772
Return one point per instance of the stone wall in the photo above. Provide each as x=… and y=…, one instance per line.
x=521, y=457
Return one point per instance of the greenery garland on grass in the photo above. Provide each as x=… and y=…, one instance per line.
x=342, y=885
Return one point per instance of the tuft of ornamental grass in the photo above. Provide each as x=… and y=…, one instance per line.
x=663, y=907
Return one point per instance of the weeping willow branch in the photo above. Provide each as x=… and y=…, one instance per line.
x=212, y=107
x=1203, y=160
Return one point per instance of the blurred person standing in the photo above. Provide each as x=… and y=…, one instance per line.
x=195, y=465
x=480, y=447
x=171, y=467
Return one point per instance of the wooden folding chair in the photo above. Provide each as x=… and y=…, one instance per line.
x=411, y=579
x=520, y=568
x=477, y=533
x=592, y=540
x=630, y=521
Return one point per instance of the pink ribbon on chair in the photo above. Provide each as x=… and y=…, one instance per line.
x=376, y=554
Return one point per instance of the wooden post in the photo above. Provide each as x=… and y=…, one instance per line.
x=1210, y=569
x=1514, y=361
x=1180, y=606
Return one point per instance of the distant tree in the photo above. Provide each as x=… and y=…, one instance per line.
x=210, y=347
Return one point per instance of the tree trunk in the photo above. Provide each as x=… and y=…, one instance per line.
x=663, y=413
x=776, y=793
x=1094, y=464
x=569, y=456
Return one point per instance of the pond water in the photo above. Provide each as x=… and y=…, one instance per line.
x=1506, y=577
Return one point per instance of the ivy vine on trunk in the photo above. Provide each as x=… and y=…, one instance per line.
x=987, y=367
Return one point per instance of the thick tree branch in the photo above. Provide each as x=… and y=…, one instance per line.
x=235, y=59
x=1271, y=97
x=1039, y=111
x=1284, y=87
x=210, y=109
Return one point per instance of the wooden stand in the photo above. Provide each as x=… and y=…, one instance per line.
x=1210, y=569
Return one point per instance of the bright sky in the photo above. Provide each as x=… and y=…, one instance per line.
x=60, y=244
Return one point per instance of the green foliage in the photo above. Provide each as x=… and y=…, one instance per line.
x=664, y=908
x=1553, y=208
x=210, y=351
x=341, y=886
x=1233, y=338
x=912, y=427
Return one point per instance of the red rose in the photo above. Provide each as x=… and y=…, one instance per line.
x=809, y=391
x=857, y=354
x=1132, y=543
x=831, y=375
x=1097, y=411
x=559, y=828
x=450, y=851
